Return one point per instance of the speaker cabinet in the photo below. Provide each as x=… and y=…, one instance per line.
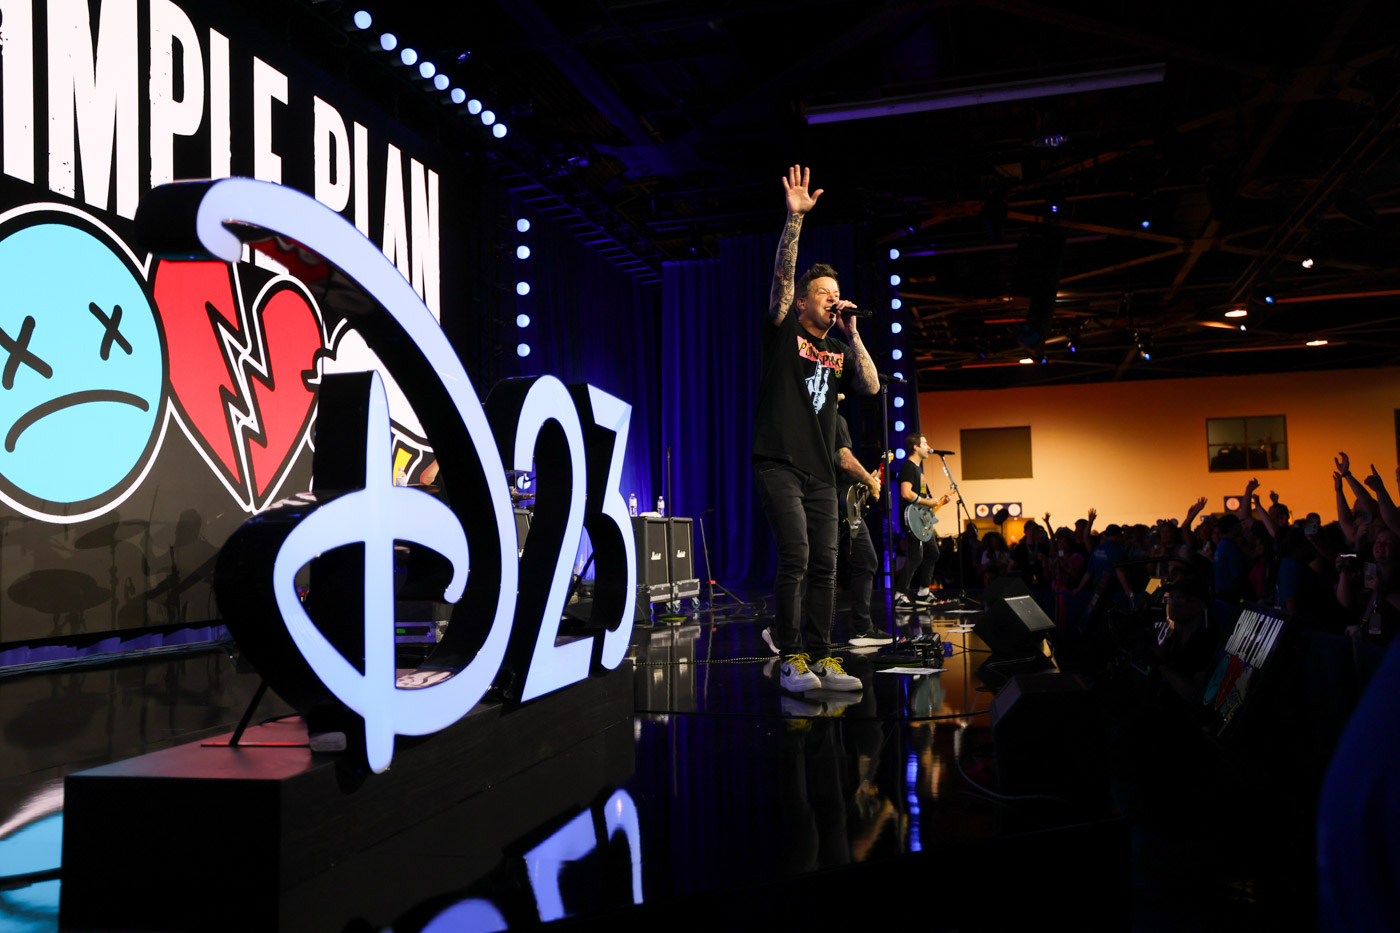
x=680, y=548
x=522, y=531
x=653, y=566
x=1013, y=624
x=1049, y=737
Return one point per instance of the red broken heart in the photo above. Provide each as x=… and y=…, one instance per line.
x=249, y=436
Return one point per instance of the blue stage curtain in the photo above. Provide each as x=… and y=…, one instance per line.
x=590, y=322
x=711, y=314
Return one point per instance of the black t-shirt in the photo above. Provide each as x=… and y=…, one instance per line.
x=844, y=480
x=796, y=419
x=913, y=474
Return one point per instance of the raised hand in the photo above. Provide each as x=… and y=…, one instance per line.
x=795, y=187
x=1093, y=514
x=1198, y=505
x=1249, y=488
x=1375, y=481
x=1273, y=497
x=1343, y=463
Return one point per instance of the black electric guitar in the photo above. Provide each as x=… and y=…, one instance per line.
x=919, y=519
x=857, y=495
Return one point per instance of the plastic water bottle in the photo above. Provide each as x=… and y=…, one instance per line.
x=632, y=505
x=661, y=506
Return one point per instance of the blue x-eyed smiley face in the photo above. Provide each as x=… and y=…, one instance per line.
x=82, y=365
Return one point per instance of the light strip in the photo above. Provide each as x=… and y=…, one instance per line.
x=990, y=94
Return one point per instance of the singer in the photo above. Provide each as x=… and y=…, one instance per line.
x=804, y=366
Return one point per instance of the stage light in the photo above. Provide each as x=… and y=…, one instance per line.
x=408, y=56
x=1308, y=263
x=1054, y=208
x=1147, y=225
x=896, y=354
x=488, y=117
x=896, y=304
x=458, y=95
x=894, y=280
x=363, y=20
x=1268, y=299
x=1242, y=327
x=1073, y=348
x=522, y=252
x=898, y=401
x=388, y=41
x=473, y=106
x=427, y=69
x=896, y=327
x=899, y=375
x=499, y=130
x=1319, y=342
x=898, y=426
x=1237, y=312
x=900, y=453
x=522, y=225
x=522, y=320
x=894, y=253
x=1026, y=360
x=522, y=349
x=442, y=82
x=522, y=288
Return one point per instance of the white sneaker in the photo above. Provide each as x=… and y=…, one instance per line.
x=832, y=676
x=871, y=639
x=795, y=677
x=902, y=601
x=922, y=593
x=768, y=640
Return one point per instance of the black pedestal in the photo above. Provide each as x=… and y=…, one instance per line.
x=167, y=840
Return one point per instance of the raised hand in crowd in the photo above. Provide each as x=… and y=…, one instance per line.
x=1383, y=500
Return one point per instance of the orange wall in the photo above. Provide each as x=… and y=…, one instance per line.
x=1136, y=451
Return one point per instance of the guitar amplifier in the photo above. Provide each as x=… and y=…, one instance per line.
x=680, y=541
x=653, y=569
x=522, y=531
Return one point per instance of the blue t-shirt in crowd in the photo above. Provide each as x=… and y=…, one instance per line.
x=1229, y=567
x=1290, y=573
x=1105, y=558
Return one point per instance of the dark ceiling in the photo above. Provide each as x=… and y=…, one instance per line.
x=659, y=126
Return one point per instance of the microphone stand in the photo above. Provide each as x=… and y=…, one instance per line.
x=964, y=516
x=887, y=578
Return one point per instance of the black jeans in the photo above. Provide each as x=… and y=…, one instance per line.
x=801, y=510
x=919, y=560
x=863, y=565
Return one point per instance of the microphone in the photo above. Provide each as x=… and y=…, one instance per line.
x=858, y=312
x=943, y=453
x=886, y=377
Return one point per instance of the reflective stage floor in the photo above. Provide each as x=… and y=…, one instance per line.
x=723, y=803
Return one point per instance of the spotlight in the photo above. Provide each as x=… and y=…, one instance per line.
x=1319, y=342
x=488, y=117
x=1144, y=345
x=900, y=453
x=896, y=354
x=1147, y=225
x=427, y=70
x=522, y=225
x=896, y=304
x=522, y=252
x=1026, y=360
x=896, y=327
x=408, y=56
x=1308, y=263
x=898, y=426
x=474, y=106
x=464, y=56
x=898, y=401
x=1054, y=208
x=1072, y=347
x=899, y=375
x=894, y=280
x=522, y=349
x=499, y=130
x=388, y=41
x=1237, y=312
x=458, y=95
x=441, y=82
x=894, y=253
x=522, y=288
x=1268, y=299
x=363, y=20
x=522, y=320
x=1242, y=327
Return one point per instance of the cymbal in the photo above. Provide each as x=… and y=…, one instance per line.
x=58, y=590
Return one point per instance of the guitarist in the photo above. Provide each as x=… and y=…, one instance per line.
x=862, y=550
x=919, y=556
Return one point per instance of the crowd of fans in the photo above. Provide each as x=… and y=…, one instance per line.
x=1336, y=577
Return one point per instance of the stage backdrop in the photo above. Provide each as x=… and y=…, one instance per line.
x=149, y=408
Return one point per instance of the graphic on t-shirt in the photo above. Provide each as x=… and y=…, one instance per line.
x=817, y=386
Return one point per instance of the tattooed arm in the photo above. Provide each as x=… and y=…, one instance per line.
x=864, y=378
x=799, y=202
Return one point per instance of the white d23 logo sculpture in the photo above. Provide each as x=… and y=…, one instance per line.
x=338, y=667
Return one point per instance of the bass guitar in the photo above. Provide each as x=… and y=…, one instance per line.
x=857, y=495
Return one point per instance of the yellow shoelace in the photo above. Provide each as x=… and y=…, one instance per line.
x=798, y=662
x=834, y=664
